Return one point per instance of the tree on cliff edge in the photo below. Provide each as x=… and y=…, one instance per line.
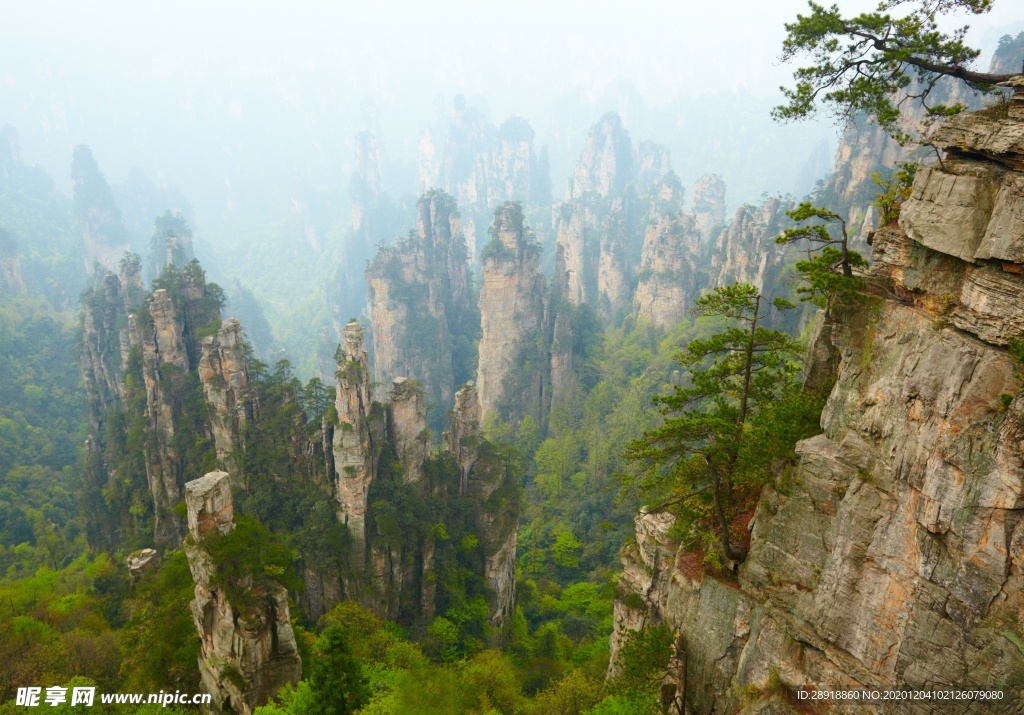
x=736, y=376
x=876, y=62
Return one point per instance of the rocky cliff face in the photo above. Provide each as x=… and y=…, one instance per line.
x=745, y=250
x=607, y=162
x=865, y=148
x=164, y=364
x=484, y=477
x=420, y=301
x=482, y=166
x=708, y=198
x=407, y=426
x=134, y=346
x=890, y=554
x=247, y=653
x=355, y=462
x=225, y=377
x=511, y=315
x=668, y=270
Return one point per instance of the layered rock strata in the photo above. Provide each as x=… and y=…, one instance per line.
x=890, y=554
x=225, y=377
x=511, y=315
x=420, y=301
x=247, y=653
x=708, y=197
x=668, y=270
x=485, y=478
x=355, y=460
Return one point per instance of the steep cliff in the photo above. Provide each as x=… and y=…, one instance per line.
x=889, y=554
x=482, y=166
x=225, y=377
x=484, y=476
x=421, y=304
x=355, y=462
x=708, y=197
x=247, y=651
x=745, y=251
x=866, y=148
x=668, y=270
x=138, y=357
x=511, y=317
x=607, y=162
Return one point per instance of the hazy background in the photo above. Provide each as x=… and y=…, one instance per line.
x=248, y=109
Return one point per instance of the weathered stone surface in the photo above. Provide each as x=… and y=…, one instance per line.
x=968, y=133
x=407, y=427
x=511, y=311
x=668, y=270
x=140, y=561
x=991, y=305
x=746, y=252
x=708, y=197
x=248, y=653
x=354, y=462
x=462, y=440
x=888, y=555
x=1004, y=235
x=578, y=236
x=606, y=164
x=225, y=377
x=164, y=364
x=949, y=208
x=419, y=298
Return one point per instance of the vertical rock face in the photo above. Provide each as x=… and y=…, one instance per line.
x=511, y=313
x=354, y=461
x=225, y=377
x=668, y=270
x=709, y=203
x=653, y=163
x=164, y=364
x=606, y=165
x=620, y=253
x=865, y=147
x=890, y=555
x=483, y=477
x=246, y=653
x=407, y=427
x=480, y=165
x=462, y=440
x=578, y=235
x=420, y=301
x=745, y=251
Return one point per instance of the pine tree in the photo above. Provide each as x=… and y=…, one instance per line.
x=733, y=375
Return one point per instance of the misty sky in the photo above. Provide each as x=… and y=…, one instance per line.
x=175, y=87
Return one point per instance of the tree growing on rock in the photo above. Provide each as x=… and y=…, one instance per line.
x=876, y=62
x=707, y=436
x=830, y=269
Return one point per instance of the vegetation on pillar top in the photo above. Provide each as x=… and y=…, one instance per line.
x=876, y=62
